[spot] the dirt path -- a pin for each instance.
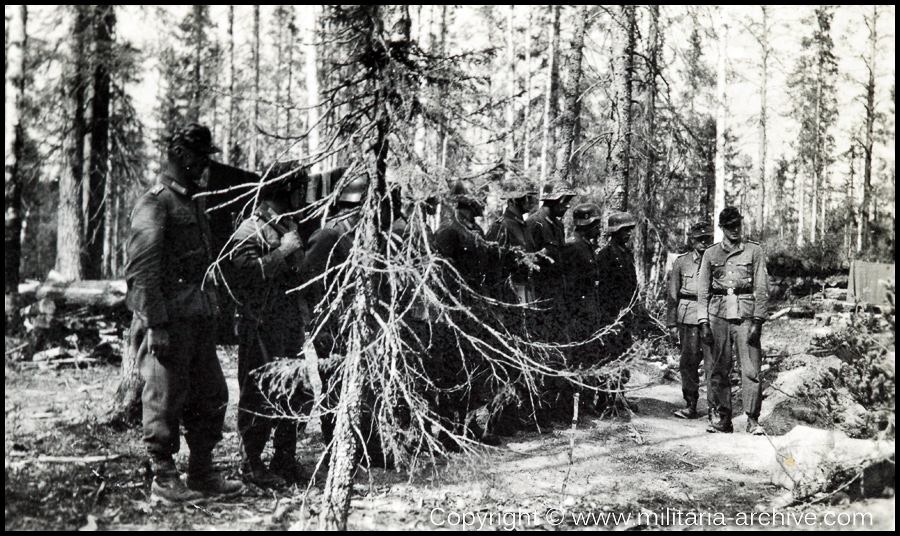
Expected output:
(651, 465)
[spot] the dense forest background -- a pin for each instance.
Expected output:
(670, 112)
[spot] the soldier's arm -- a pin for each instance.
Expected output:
(316, 261)
(672, 295)
(144, 270)
(248, 256)
(760, 286)
(703, 286)
(446, 242)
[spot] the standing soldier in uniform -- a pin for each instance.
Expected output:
(461, 241)
(173, 332)
(681, 316)
(328, 249)
(615, 261)
(548, 236)
(582, 279)
(508, 237)
(266, 257)
(732, 303)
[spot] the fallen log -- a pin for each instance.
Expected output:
(99, 293)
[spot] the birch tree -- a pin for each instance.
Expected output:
(13, 148)
(623, 74)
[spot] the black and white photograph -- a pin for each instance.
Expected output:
(449, 267)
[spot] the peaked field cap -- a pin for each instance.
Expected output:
(510, 189)
(550, 195)
(194, 136)
(730, 216)
(701, 228)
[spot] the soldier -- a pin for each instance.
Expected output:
(461, 241)
(328, 249)
(732, 303)
(508, 237)
(173, 331)
(548, 236)
(266, 257)
(616, 265)
(681, 316)
(582, 279)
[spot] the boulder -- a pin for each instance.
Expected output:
(810, 460)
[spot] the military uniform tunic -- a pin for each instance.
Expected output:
(168, 255)
(732, 293)
(509, 277)
(271, 326)
(582, 280)
(681, 312)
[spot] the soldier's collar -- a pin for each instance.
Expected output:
(513, 212)
(176, 182)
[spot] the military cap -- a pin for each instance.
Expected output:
(460, 193)
(701, 228)
(195, 137)
(355, 190)
(619, 220)
(550, 195)
(729, 216)
(514, 189)
(585, 214)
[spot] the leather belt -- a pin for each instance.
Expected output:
(729, 291)
(687, 296)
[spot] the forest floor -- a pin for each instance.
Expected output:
(648, 470)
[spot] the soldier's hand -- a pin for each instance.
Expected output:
(290, 243)
(755, 333)
(673, 335)
(706, 334)
(158, 341)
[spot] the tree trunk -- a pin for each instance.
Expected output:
(254, 127)
(763, 204)
(567, 119)
(14, 144)
(623, 73)
(69, 234)
(104, 22)
(228, 151)
(643, 206)
(312, 86)
(510, 150)
(863, 240)
(526, 138)
(721, 82)
(551, 100)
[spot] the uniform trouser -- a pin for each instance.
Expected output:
(693, 350)
(259, 411)
(725, 333)
(183, 386)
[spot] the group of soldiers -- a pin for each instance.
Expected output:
(571, 288)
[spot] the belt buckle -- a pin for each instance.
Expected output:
(729, 291)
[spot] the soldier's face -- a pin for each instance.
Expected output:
(732, 232)
(194, 163)
(701, 243)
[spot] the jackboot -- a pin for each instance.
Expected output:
(285, 466)
(690, 412)
(721, 425)
(753, 426)
(204, 478)
(255, 472)
(167, 486)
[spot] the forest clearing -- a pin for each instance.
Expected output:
(449, 267)
(649, 462)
